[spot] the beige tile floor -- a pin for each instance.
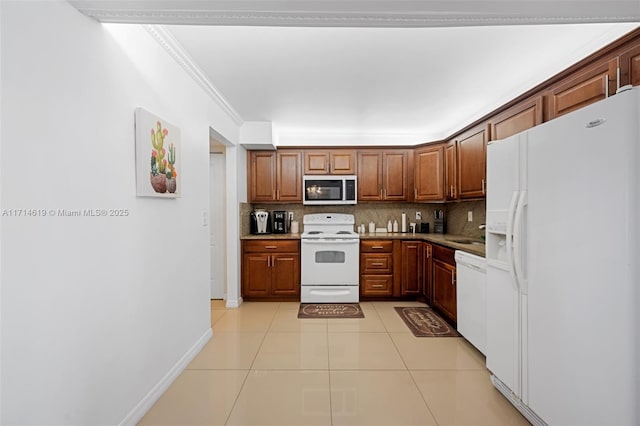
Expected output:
(264, 366)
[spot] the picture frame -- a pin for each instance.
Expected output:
(158, 164)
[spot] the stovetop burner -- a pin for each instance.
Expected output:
(329, 226)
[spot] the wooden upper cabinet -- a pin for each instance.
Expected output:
(450, 170)
(275, 176)
(630, 67)
(395, 172)
(471, 164)
(429, 173)
(370, 176)
(262, 176)
(383, 175)
(516, 119)
(334, 162)
(289, 176)
(577, 91)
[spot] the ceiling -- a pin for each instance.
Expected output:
(372, 72)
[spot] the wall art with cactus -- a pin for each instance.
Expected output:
(157, 156)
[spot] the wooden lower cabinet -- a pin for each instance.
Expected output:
(411, 275)
(271, 269)
(376, 268)
(444, 282)
(427, 272)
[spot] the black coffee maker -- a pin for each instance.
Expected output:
(280, 225)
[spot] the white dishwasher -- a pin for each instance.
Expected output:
(471, 297)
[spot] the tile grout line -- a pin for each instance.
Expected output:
(329, 375)
(244, 382)
(413, 379)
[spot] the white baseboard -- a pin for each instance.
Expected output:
(231, 303)
(156, 392)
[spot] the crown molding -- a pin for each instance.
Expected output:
(168, 42)
(359, 13)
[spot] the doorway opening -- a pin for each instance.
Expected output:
(218, 219)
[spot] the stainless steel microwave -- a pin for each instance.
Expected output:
(330, 189)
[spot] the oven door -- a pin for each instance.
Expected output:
(327, 261)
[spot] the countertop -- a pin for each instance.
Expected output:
(456, 242)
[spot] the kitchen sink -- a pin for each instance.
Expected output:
(461, 241)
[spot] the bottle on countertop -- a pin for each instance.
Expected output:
(389, 226)
(395, 226)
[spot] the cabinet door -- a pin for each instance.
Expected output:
(444, 289)
(369, 176)
(427, 272)
(342, 162)
(472, 154)
(262, 181)
(289, 182)
(429, 174)
(630, 67)
(256, 275)
(285, 274)
(411, 278)
(517, 119)
(450, 175)
(316, 163)
(395, 173)
(578, 91)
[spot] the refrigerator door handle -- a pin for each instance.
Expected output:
(509, 236)
(517, 242)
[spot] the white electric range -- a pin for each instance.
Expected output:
(330, 252)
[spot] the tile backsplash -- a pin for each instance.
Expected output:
(380, 213)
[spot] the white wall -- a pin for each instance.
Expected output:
(95, 310)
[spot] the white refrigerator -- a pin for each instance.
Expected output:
(562, 252)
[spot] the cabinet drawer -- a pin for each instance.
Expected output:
(376, 246)
(377, 285)
(271, 246)
(377, 263)
(444, 254)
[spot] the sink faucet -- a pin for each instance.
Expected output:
(482, 226)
